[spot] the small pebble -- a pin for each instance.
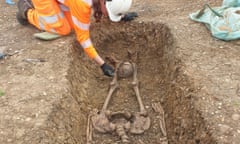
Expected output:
(224, 129)
(28, 119)
(236, 117)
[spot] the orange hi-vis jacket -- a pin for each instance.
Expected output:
(61, 16)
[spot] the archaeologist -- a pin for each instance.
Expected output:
(62, 16)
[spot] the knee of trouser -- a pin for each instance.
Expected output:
(64, 30)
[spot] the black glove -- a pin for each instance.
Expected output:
(107, 70)
(129, 16)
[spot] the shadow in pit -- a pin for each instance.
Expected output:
(161, 80)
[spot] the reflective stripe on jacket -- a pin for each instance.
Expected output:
(80, 13)
(60, 16)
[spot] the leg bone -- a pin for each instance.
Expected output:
(89, 129)
(113, 87)
(135, 87)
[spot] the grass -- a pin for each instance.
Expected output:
(1, 93)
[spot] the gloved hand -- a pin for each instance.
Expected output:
(107, 70)
(129, 16)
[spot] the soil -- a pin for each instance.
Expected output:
(48, 88)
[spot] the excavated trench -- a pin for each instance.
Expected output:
(151, 46)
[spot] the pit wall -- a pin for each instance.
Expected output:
(156, 49)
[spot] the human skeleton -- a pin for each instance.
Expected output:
(121, 122)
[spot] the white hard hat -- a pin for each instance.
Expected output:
(116, 8)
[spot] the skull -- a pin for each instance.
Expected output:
(125, 70)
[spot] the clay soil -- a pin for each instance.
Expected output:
(194, 76)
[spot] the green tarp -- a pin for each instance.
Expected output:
(223, 21)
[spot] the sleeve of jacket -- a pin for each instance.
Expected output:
(81, 14)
